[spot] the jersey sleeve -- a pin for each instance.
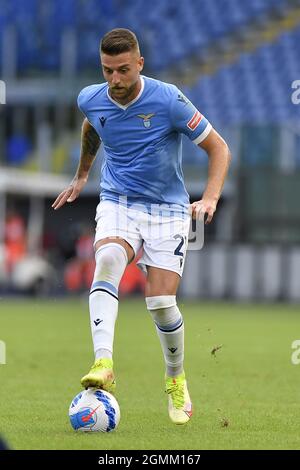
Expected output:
(186, 118)
(81, 100)
(84, 100)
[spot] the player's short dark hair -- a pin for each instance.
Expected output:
(117, 41)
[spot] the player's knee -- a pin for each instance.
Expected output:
(111, 261)
(160, 302)
(164, 311)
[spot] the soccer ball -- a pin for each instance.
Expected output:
(94, 410)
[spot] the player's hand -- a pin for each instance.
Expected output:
(202, 207)
(69, 194)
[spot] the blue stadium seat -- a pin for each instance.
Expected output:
(255, 87)
(180, 28)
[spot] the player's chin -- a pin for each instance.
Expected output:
(119, 92)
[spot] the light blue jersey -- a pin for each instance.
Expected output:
(142, 141)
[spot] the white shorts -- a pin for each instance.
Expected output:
(162, 235)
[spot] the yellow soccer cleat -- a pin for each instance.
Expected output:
(180, 406)
(101, 375)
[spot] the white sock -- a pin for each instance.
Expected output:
(170, 329)
(111, 261)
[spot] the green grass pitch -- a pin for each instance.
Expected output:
(245, 390)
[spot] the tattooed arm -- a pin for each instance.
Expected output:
(90, 143)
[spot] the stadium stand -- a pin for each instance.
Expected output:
(173, 35)
(235, 60)
(176, 29)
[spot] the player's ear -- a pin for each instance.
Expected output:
(140, 64)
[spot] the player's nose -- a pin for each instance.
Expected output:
(115, 78)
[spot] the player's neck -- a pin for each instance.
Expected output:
(132, 95)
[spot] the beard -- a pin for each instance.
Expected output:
(123, 92)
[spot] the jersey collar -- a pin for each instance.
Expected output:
(125, 106)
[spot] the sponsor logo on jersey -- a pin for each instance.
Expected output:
(146, 119)
(102, 120)
(194, 121)
(182, 98)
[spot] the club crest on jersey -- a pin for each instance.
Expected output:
(146, 119)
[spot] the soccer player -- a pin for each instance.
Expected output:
(139, 121)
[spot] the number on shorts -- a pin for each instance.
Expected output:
(177, 251)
